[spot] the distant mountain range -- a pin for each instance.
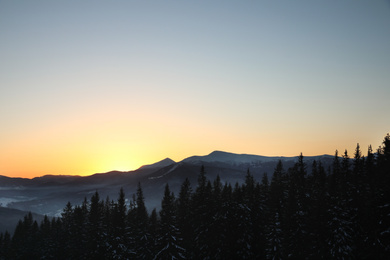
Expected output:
(49, 194)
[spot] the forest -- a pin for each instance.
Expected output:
(303, 212)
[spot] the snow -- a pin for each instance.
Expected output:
(12, 188)
(239, 159)
(234, 159)
(160, 164)
(4, 201)
(170, 170)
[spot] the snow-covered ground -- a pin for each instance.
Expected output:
(233, 159)
(5, 201)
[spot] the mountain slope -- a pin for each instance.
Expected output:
(160, 164)
(49, 194)
(230, 158)
(9, 218)
(241, 159)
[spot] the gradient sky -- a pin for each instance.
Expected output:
(94, 86)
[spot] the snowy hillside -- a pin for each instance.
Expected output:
(234, 159)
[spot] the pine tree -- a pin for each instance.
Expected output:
(25, 241)
(33, 241)
(46, 244)
(5, 246)
(154, 226)
(141, 235)
(95, 244)
(274, 248)
(335, 177)
(340, 225)
(1, 245)
(371, 210)
(277, 197)
(68, 238)
(118, 223)
(254, 212)
(296, 211)
(317, 211)
(239, 223)
(357, 163)
(229, 220)
(383, 196)
(131, 228)
(342, 214)
(201, 212)
(79, 231)
(217, 226)
(108, 212)
(360, 193)
(184, 216)
(169, 239)
(346, 171)
(58, 244)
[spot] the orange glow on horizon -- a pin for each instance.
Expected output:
(87, 160)
(124, 90)
(85, 144)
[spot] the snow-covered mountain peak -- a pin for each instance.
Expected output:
(230, 158)
(160, 164)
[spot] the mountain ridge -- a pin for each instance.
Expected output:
(48, 194)
(235, 158)
(165, 162)
(214, 156)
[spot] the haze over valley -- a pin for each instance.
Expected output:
(194, 129)
(48, 194)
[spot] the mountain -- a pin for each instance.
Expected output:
(231, 158)
(160, 164)
(49, 194)
(258, 165)
(242, 159)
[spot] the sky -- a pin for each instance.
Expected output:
(94, 86)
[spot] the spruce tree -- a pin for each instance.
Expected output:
(296, 211)
(340, 225)
(229, 220)
(383, 195)
(317, 211)
(118, 223)
(276, 205)
(201, 212)
(216, 225)
(170, 237)
(25, 241)
(131, 228)
(80, 231)
(46, 244)
(253, 212)
(95, 244)
(184, 216)
(141, 235)
(5, 246)
(342, 214)
(154, 227)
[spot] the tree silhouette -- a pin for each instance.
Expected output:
(340, 213)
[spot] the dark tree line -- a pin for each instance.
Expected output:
(304, 212)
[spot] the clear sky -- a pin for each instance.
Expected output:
(94, 86)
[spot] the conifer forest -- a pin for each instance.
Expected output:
(303, 212)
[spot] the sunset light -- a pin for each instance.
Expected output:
(107, 86)
(193, 129)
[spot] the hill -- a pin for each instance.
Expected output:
(9, 218)
(48, 194)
